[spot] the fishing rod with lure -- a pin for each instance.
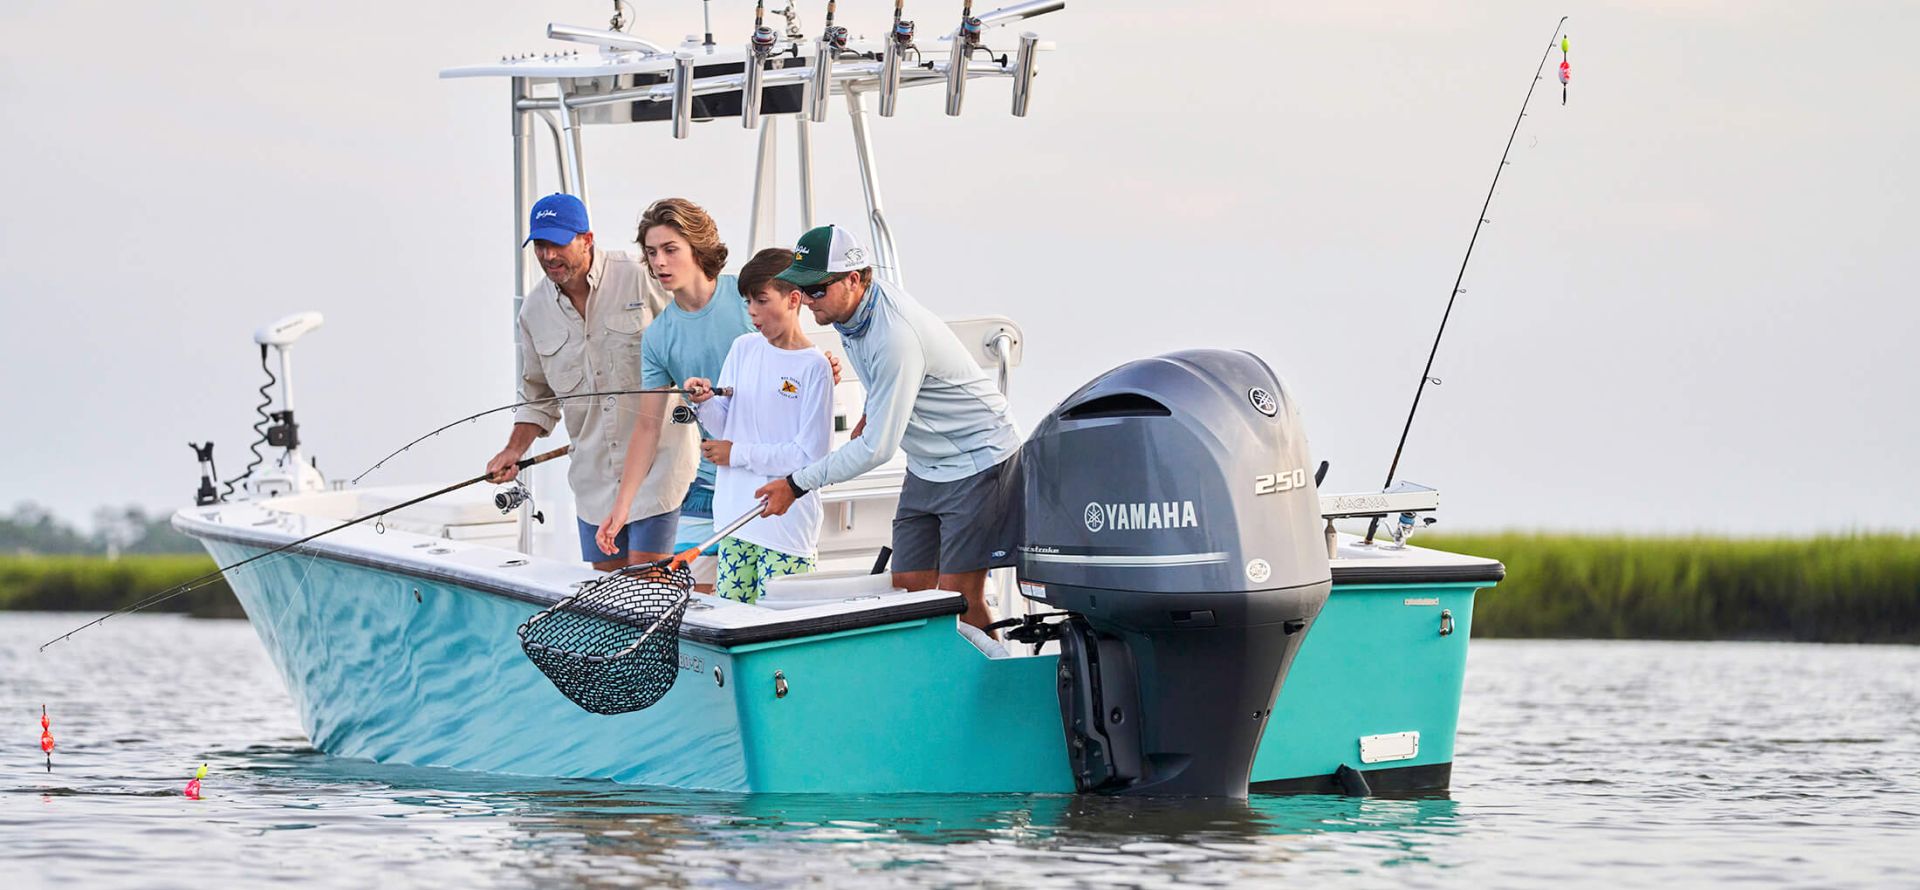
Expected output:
(681, 414)
(214, 575)
(1426, 374)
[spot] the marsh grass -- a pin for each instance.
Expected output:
(1862, 588)
(1844, 589)
(98, 584)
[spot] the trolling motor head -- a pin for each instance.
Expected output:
(282, 334)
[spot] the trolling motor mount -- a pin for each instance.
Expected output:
(207, 494)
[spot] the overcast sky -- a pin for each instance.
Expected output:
(1694, 309)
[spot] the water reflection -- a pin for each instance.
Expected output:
(596, 832)
(1680, 764)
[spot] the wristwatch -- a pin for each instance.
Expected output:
(794, 487)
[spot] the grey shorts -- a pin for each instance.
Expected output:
(961, 526)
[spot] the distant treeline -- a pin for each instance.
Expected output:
(99, 584)
(31, 528)
(1862, 588)
(46, 564)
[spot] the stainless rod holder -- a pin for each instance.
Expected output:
(966, 38)
(832, 39)
(682, 94)
(756, 70)
(957, 73)
(1023, 69)
(899, 42)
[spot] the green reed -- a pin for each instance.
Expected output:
(98, 584)
(1854, 588)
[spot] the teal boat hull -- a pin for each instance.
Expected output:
(400, 667)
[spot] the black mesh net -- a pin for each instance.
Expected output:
(613, 647)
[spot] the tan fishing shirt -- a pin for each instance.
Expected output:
(562, 354)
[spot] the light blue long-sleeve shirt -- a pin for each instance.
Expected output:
(926, 396)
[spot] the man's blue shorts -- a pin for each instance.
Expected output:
(696, 519)
(653, 534)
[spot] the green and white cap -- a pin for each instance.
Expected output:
(822, 253)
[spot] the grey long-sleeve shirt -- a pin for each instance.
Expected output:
(925, 396)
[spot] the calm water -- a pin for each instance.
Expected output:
(1579, 763)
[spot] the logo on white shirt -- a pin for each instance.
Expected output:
(790, 387)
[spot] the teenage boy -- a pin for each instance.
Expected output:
(778, 419)
(691, 337)
(959, 512)
(578, 332)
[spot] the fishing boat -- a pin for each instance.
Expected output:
(1185, 618)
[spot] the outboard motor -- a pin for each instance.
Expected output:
(1170, 508)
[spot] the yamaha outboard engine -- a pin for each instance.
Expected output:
(1169, 506)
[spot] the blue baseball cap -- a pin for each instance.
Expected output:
(557, 218)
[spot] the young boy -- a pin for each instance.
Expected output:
(778, 420)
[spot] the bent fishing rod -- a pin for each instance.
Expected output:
(210, 577)
(1426, 374)
(719, 391)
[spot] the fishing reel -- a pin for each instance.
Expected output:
(684, 413)
(513, 496)
(1403, 529)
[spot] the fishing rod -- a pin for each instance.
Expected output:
(1426, 374)
(725, 391)
(209, 577)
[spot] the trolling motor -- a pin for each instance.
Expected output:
(1170, 511)
(291, 474)
(899, 43)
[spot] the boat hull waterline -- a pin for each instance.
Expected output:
(396, 667)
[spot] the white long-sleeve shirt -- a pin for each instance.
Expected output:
(779, 419)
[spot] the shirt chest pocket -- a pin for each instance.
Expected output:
(561, 359)
(620, 349)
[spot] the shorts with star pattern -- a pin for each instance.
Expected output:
(745, 569)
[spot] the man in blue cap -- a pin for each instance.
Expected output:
(959, 512)
(579, 333)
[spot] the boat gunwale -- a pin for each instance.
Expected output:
(934, 607)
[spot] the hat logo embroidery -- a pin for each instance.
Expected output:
(546, 213)
(855, 254)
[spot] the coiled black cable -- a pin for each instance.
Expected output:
(259, 426)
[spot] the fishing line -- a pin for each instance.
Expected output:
(210, 577)
(543, 401)
(1426, 374)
